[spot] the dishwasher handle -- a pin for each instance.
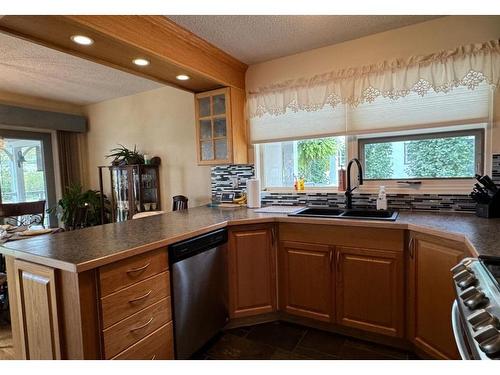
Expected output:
(196, 245)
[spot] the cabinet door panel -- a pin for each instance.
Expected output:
(220, 149)
(205, 130)
(204, 107)
(252, 275)
(431, 297)
(370, 290)
(37, 308)
(219, 104)
(207, 150)
(221, 127)
(306, 285)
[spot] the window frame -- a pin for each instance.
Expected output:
(259, 168)
(428, 186)
(478, 133)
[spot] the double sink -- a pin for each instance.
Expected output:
(336, 213)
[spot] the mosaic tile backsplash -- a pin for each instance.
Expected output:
(427, 202)
(232, 178)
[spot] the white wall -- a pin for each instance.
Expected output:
(419, 39)
(162, 123)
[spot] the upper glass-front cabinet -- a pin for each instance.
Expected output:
(213, 122)
(219, 119)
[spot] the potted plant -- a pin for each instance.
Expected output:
(124, 156)
(80, 209)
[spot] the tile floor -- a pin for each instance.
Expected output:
(281, 340)
(276, 340)
(6, 348)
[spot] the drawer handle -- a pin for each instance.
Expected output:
(141, 297)
(142, 326)
(133, 270)
(411, 247)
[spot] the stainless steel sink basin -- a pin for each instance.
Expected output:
(336, 213)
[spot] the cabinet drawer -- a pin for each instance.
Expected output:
(341, 235)
(130, 300)
(158, 345)
(118, 275)
(134, 328)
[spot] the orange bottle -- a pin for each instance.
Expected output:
(302, 182)
(342, 179)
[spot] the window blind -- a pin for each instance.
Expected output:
(459, 106)
(434, 110)
(298, 125)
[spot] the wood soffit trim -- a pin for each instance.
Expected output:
(123, 36)
(165, 26)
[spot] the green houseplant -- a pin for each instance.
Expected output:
(81, 209)
(124, 156)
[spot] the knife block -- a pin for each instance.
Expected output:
(491, 209)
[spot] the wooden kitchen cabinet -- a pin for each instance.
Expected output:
(36, 324)
(370, 290)
(252, 270)
(306, 280)
(221, 131)
(120, 310)
(431, 294)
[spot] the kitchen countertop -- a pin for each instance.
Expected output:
(88, 248)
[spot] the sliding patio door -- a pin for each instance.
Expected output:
(27, 169)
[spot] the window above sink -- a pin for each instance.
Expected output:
(443, 155)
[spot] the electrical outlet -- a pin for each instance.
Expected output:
(234, 181)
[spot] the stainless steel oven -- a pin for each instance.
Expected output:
(476, 309)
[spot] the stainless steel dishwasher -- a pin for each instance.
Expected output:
(199, 290)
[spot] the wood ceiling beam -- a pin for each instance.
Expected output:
(171, 49)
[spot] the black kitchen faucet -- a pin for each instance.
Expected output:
(349, 190)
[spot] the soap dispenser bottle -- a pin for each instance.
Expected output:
(382, 199)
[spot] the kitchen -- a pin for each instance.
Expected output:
(328, 216)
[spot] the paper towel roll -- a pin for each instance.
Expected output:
(253, 193)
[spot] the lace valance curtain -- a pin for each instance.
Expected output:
(467, 66)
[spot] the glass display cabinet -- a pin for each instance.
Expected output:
(220, 127)
(134, 189)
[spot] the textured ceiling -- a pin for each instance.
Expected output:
(254, 39)
(31, 69)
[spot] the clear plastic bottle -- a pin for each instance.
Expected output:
(382, 199)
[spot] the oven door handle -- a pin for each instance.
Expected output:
(458, 332)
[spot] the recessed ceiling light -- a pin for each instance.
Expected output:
(141, 62)
(183, 77)
(82, 40)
